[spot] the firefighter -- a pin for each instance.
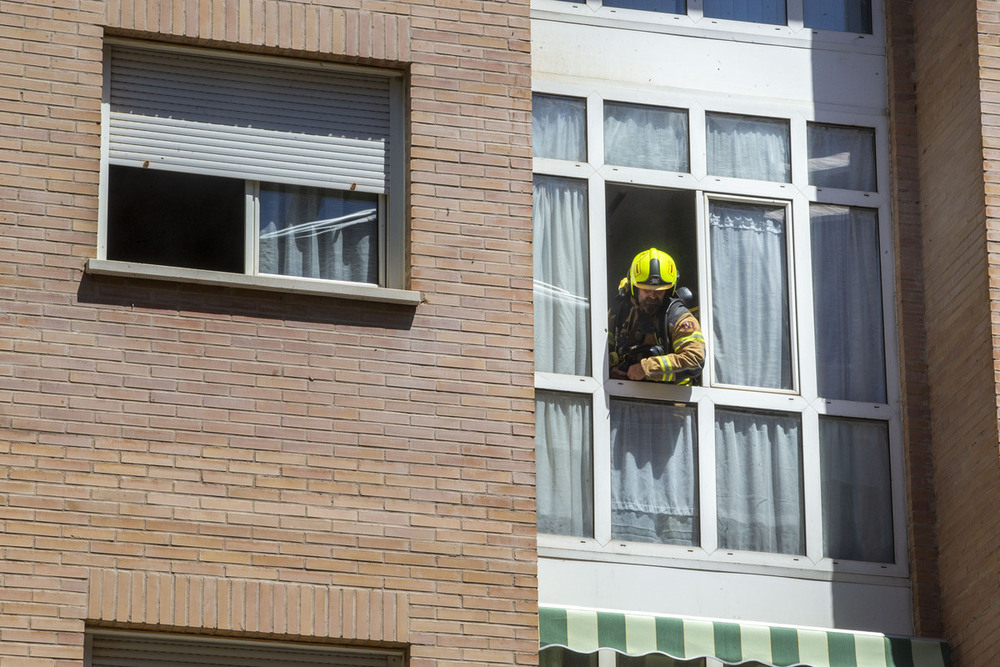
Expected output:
(651, 333)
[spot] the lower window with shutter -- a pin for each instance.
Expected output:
(123, 648)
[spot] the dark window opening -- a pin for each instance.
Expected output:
(174, 219)
(639, 218)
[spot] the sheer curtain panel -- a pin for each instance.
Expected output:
(650, 137)
(653, 473)
(857, 494)
(563, 462)
(559, 127)
(847, 303)
(841, 156)
(312, 233)
(749, 147)
(759, 482)
(750, 309)
(562, 279)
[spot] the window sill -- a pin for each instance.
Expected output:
(341, 290)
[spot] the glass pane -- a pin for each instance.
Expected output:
(841, 156)
(562, 276)
(857, 498)
(757, 11)
(559, 127)
(563, 461)
(842, 15)
(557, 656)
(748, 147)
(759, 482)
(666, 6)
(313, 233)
(654, 474)
(650, 137)
(847, 303)
(172, 219)
(661, 660)
(750, 308)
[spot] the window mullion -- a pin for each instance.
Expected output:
(252, 224)
(598, 330)
(803, 314)
(595, 130)
(601, 430)
(705, 288)
(794, 14)
(793, 290)
(707, 504)
(697, 141)
(596, 204)
(812, 486)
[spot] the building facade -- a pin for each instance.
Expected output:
(820, 172)
(304, 346)
(266, 377)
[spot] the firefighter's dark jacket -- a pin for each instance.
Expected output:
(672, 326)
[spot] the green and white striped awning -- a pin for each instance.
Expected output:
(588, 630)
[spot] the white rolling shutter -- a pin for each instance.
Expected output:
(248, 119)
(141, 649)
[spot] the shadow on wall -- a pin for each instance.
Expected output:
(249, 303)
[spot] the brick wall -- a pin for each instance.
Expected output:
(238, 462)
(961, 347)
(910, 314)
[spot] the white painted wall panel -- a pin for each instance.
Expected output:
(738, 74)
(744, 596)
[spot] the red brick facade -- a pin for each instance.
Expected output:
(255, 463)
(260, 464)
(910, 314)
(953, 104)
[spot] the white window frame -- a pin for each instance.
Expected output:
(802, 401)
(694, 22)
(391, 287)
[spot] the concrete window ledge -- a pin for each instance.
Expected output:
(340, 290)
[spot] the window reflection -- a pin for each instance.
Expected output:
(756, 11)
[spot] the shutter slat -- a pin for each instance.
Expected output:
(125, 649)
(250, 120)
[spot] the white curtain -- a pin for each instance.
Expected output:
(757, 11)
(750, 312)
(857, 497)
(759, 482)
(561, 271)
(311, 233)
(847, 302)
(842, 157)
(563, 464)
(842, 15)
(645, 136)
(559, 127)
(748, 147)
(653, 473)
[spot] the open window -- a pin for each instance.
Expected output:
(251, 166)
